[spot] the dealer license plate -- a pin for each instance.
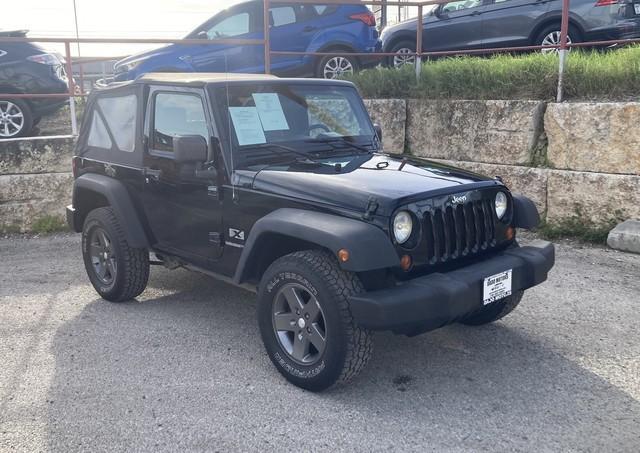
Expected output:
(496, 287)
(636, 6)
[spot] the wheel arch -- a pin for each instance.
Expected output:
(92, 191)
(550, 21)
(296, 229)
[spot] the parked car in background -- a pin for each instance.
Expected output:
(486, 24)
(27, 68)
(300, 28)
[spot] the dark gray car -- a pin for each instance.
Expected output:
(487, 24)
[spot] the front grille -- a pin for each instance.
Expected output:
(459, 230)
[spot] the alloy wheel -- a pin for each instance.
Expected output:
(403, 56)
(11, 119)
(553, 39)
(337, 66)
(299, 324)
(102, 256)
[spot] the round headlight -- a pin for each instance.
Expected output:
(501, 204)
(402, 227)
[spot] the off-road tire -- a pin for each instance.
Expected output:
(348, 347)
(494, 311)
(132, 270)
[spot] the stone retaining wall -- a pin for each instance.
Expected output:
(572, 158)
(35, 181)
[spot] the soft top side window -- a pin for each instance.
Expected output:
(113, 123)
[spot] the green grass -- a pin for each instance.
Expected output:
(49, 224)
(590, 75)
(576, 227)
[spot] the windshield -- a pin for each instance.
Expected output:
(305, 117)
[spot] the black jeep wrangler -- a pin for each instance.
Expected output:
(281, 186)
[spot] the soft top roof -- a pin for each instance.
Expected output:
(200, 79)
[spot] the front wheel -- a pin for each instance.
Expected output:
(334, 67)
(404, 54)
(305, 320)
(117, 271)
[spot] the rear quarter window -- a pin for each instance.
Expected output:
(113, 123)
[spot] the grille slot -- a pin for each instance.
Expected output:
(465, 229)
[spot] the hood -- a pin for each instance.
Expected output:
(165, 50)
(390, 180)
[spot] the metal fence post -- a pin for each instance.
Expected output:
(564, 31)
(267, 38)
(419, 43)
(72, 100)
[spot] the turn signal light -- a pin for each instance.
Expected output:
(343, 255)
(406, 262)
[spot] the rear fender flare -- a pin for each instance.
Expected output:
(119, 200)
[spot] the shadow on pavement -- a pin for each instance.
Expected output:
(186, 370)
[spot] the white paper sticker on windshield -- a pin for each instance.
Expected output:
(247, 125)
(270, 112)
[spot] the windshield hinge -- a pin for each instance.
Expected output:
(372, 206)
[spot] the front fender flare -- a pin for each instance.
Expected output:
(119, 200)
(525, 213)
(369, 247)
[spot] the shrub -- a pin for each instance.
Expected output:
(589, 75)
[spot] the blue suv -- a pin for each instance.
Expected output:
(301, 28)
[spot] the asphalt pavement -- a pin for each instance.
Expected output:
(183, 368)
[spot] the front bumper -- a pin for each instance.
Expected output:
(432, 301)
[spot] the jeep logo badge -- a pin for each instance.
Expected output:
(458, 199)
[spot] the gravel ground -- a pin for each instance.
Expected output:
(183, 368)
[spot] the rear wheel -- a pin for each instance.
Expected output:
(16, 119)
(550, 36)
(117, 271)
(306, 323)
(336, 66)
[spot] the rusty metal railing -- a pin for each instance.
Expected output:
(563, 47)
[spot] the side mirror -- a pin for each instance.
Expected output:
(378, 130)
(190, 148)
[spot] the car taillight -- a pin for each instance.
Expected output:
(44, 58)
(368, 18)
(606, 2)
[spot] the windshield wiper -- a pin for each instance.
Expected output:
(283, 150)
(342, 140)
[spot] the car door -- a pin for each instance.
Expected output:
(287, 33)
(183, 209)
(241, 22)
(509, 23)
(454, 26)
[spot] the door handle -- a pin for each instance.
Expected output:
(309, 28)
